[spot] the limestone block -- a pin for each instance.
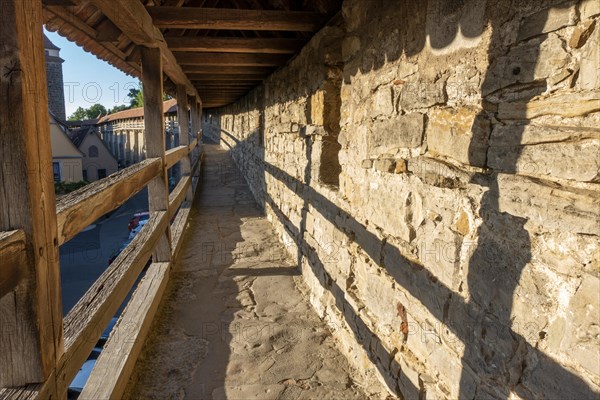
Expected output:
(461, 134)
(567, 253)
(384, 165)
(414, 95)
(437, 173)
(579, 338)
(382, 102)
(580, 104)
(546, 151)
(375, 290)
(582, 33)
(548, 20)
(317, 107)
(589, 67)
(366, 164)
(438, 248)
(548, 205)
(400, 131)
(589, 8)
(520, 65)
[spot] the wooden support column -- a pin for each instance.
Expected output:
(195, 126)
(184, 134)
(31, 330)
(158, 188)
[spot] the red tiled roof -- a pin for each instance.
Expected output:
(169, 107)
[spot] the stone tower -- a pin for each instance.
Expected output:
(54, 76)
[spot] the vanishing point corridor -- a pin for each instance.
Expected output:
(234, 322)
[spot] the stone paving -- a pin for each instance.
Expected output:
(234, 322)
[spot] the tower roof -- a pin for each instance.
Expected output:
(48, 45)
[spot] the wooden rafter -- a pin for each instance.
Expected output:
(239, 59)
(235, 45)
(134, 21)
(221, 18)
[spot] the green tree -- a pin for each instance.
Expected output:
(78, 115)
(93, 112)
(96, 111)
(120, 107)
(136, 97)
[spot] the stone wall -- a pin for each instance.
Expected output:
(434, 168)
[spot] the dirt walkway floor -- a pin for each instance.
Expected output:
(234, 323)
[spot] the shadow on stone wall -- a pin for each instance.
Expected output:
(497, 360)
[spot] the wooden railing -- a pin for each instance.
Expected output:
(84, 324)
(40, 351)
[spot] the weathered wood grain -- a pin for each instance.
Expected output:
(31, 316)
(134, 21)
(235, 45)
(86, 321)
(175, 154)
(184, 134)
(82, 207)
(12, 260)
(117, 360)
(178, 226)
(222, 18)
(158, 188)
(231, 59)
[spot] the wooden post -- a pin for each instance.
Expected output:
(31, 330)
(184, 134)
(195, 126)
(158, 188)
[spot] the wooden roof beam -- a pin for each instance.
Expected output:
(226, 78)
(239, 59)
(134, 21)
(235, 45)
(227, 70)
(238, 19)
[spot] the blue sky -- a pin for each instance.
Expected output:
(89, 80)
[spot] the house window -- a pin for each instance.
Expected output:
(56, 171)
(93, 152)
(101, 173)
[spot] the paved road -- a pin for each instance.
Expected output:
(85, 257)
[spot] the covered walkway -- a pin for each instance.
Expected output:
(235, 323)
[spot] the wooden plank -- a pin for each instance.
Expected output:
(134, 21)
(87, 320)
(158, 188)
(117, 360)
(31, 338)
(12, 260)
(235, 45)
(227, 70)
(184, 133)
(178, 195)
(179, 192)
(222, 18)
(175, 154)
(250, 78)
(106, 31)
(178, 226)
(239, 59)
(82, 207)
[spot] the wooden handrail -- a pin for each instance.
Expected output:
(86, 321)
(178, 194)
(12, 255)
(79, 209)
(115, 364)
(175, 154)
